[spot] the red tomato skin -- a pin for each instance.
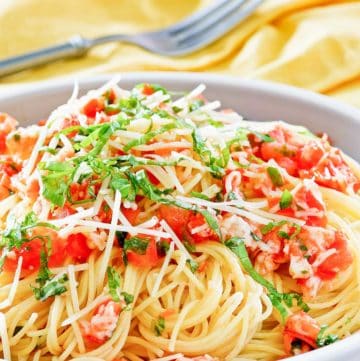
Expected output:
(197, 220)
(176, 218)
(338, 261)
(131, 214)
(149, 259)
(147, 89)
(2, 143)
(30, 252)
(152, 178)
(58, 254)
(77, 247)
(61, 212)
(92, 107)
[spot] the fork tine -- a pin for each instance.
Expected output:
(194, 19)
(214, 28)
(213, 18)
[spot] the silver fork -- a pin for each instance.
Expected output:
(185, 37)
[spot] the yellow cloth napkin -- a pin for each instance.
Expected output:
(313, 44)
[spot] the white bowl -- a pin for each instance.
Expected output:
(253, 99)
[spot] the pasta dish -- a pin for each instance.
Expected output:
(147, 224)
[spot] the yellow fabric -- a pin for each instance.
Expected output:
(313, 44)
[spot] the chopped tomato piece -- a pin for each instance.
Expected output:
(7, 123)
(2, 143)
(149, 259)
(177, 218)
(148, 89)
(131, 214)
(77, 247)
(92, 107)
(70, 122)
(30, 252)
(57, 253)
(338, 261)
(199, 230)
(79, 192)
(301, 329)
(61, 212)
(152, 178)
(102, 324)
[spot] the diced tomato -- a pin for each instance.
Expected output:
(131, 214)
(168, 312)
(41, 122)
(7, 123)
(177, 218)
(152, 178)
(72, 121)
(102, 324)
(33, 189)
(77, 247)
(2, 143)
(303, 328)
(61, 212)
(149, 259)
(79, 192)
(338, 261)
(57, 254)
(30, 252)
(105, 213)
(9, 166)
(148, 89)
(92, 107)
(207, 234)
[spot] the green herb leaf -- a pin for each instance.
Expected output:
(128, 298)
(144, 139)
(199, 195)
(286, 199)
(114, 283)
(193, 265)
(159, 326)
(237, 246)
(51, 288)
(275, 176)
(264, 137)
(322, 340)
(270, 226)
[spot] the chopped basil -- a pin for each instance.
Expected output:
(193, 265)
(159, 326)
(275, 176)
(114, 283)
(322, 340)
(283, 234)
(135, 244)
(196, 104)
(199, 195)
(264, 137)
(128, 298)
(216, 164)
(270, 226)
(286, 199)
(255, 237)
(237, 246)
(51, 288)
(120, 236)
(144, 139)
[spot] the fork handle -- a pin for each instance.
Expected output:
(76, 46)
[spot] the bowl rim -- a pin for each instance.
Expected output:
(283, 90)
(342, 348)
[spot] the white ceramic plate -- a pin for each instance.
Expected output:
(252, 99)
